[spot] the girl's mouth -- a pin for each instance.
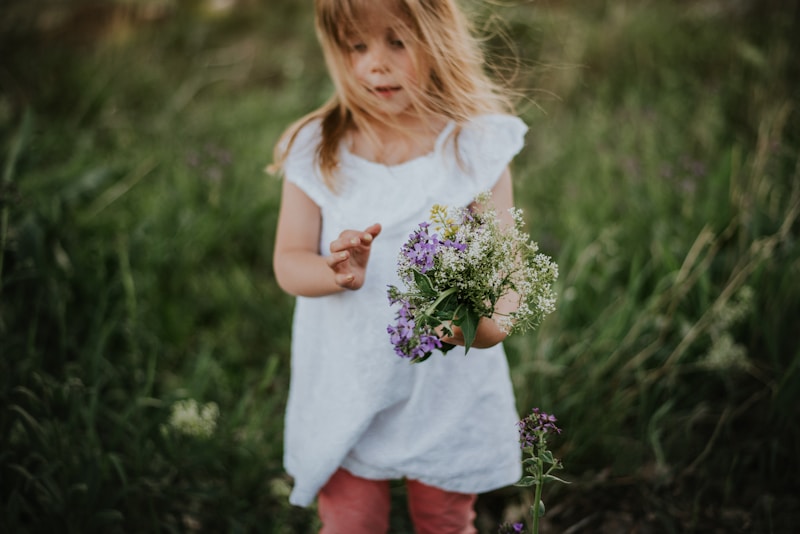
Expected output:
(386, 91)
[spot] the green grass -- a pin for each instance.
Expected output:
(661, 171)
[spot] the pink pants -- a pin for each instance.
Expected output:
(352, 505)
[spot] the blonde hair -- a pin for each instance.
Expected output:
(455, 86)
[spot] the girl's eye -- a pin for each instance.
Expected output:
(397, 43)
(358, 47)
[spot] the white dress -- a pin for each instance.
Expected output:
(448, 422)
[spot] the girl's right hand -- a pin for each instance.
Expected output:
(350, 255)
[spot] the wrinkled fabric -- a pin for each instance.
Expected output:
(449, 422)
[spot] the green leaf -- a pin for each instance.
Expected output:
(468, 322)
(448, 306)
(541, 509)
(424, 284)
(422, 358)
(553, 477)
(444, 296)
(446, 347)
(526, 481)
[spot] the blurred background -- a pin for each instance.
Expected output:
(144, 344)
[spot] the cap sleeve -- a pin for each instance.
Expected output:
(300, 167)
(487, 144)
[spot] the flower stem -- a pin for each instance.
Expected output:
(538, 493)
(443, 295)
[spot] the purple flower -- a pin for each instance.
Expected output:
(510, 528)
(461, 247)
(410, 339)
(421, 248)
(534, 427)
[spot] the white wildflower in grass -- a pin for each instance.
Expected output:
(456, 268)
(189, 418)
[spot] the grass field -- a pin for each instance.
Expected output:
(661, 171)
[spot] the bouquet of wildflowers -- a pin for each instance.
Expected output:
(457, 268)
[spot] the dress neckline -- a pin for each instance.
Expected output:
(440, 140)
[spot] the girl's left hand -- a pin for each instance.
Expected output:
(488, 334)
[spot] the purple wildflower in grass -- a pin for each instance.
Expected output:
(511, 528)
(533, 427)
(541, 463)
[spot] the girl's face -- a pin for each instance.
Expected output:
(383, 63)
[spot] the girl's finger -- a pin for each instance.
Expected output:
(345, 241)
(351, 238)
(344, 280)
(374, 230)
(337, 258)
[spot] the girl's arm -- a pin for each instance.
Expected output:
(300, 268)
(489, 334)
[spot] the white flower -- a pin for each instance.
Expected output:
(189, 418)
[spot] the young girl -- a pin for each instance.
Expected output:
(414, 121)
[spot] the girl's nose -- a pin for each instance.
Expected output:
(378, 59)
